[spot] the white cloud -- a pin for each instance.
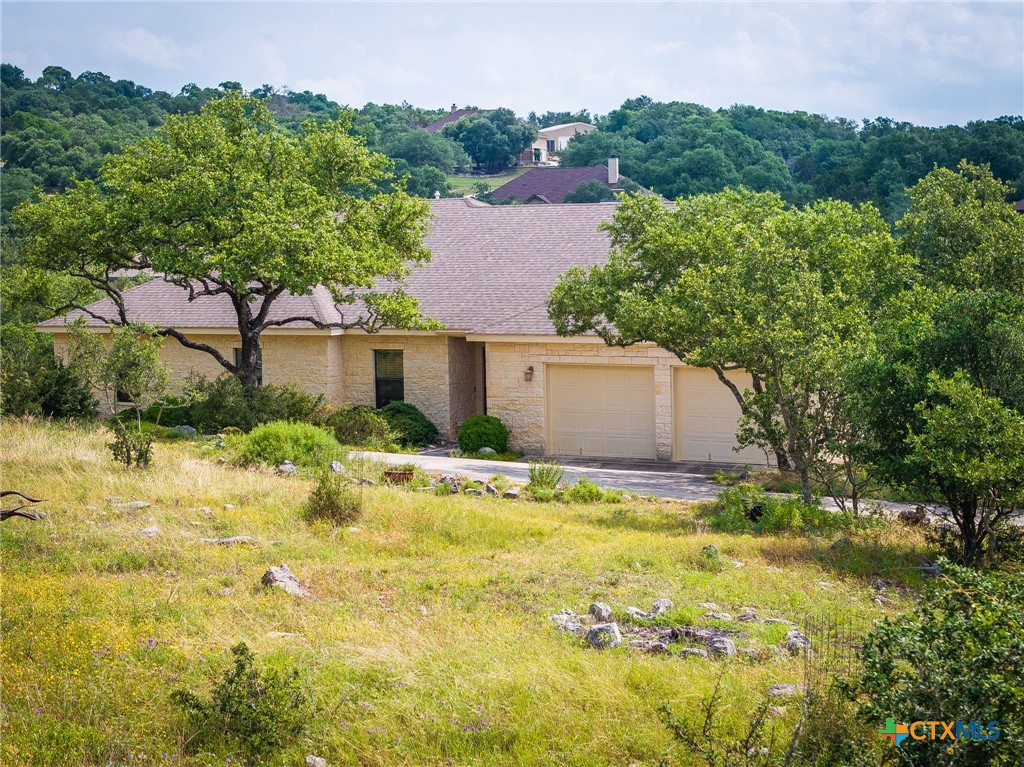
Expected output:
(345, 90)
(138, 44)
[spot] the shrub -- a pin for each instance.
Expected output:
(34, 381)
(303, 444)
(545, 474)
(958, 656)
(334, 500)
(362, 426)
(131, 447)
(543, 494)
(412, 426)
(585, 491)
(259, 712)
(222, 402)
(483, 431)
(709, 560)
(748, 507)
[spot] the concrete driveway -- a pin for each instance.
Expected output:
(641, 479)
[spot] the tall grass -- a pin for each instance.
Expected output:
(425, 637)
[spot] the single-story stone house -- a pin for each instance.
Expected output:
(487, 282)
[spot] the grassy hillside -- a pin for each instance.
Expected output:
(425, 639)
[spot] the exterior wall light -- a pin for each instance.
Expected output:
(528, 373)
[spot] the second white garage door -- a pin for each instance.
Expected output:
(706, 416)
(599, 410)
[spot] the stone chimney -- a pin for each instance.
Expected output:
(613, 170)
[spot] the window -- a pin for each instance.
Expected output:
(259, 364)
(551, 145)
(536, 155)
(388, 376)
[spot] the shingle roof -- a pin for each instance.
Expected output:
(551, 184)
(491, 272)
(451, 117)
(1019, 206)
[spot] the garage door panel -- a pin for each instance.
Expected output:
(601, 410)
(707, 416)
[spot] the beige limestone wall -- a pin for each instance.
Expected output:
(310, 362)
(465, 381)
(520, 404)
(425, 363)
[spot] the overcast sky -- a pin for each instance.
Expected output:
(932, 63)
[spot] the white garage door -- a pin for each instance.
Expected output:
(601, 410)
(706, 417)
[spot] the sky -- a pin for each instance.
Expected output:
(931, 63)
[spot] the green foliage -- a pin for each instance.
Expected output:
(132, 447)
(747, 507)
(271, 444)
(958, 656)
(214, 405)
(590, 191)
(33, 381)
(710, 561)
(413, 428)
(334, 500)
(258, 712)
(362, 426)
(545, 495)
(545, 475)
(739, 280)
(479, 431)
(585, 491)
(493, 138)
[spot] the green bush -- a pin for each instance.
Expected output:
(303, 444)
(259, 712)
(214, 405)
(413, 427)
(747, 507)
(132, 447)
(585, 491)
(362, 426)
(334, 500)
(483, 431)
(545, 474)
(959, 656)
(34, 381)
(543, 494)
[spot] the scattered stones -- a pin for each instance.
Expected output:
(797, 643)
(660, 607)
(883, 601)
(227, 507)
(312, 760)
(916, 518)
(737, 565)
(723, 646)
(366, 481)
(283, 578)
(452, 483)
(221, 459)
(708, 605)
(424, 611)
(604, 636)
(784, 690)
(567, 620)
(694, 652)
(878, 584)
(150, 532)
(841, 545)
(187, 432)
(487, 451)
(287, 468)
(783, 621)
(600, 612)
(747, 615)
(492, 490)
(473, 491)
(651, 647)
(133, 505)
(337, 468)
(230, 541)
(512, 492)
(717, 616)
(636, 612)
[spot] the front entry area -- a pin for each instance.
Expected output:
(706, 416)
(601, 410)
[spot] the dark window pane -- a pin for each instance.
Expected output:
(389, 376)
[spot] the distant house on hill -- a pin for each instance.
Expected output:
(551, 185)
(453, 116)
(551, 140)
(1019, 206)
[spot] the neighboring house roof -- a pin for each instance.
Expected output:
(1019, 206)
(455, 114)
(552, 184)
(553, 128)
(491, 272)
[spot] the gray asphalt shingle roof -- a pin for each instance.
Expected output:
(491, 272)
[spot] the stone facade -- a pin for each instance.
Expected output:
(521, 404)
(465, 381)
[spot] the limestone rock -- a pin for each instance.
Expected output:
(797, 643)
(636, 612)
(487, 451)
(512, 492)
(283, 578)
(366, 481)
(717, 616)
(694, 652)
(747, 615)
(231, 541)
(604, 636)
(649, 646)
(600, 612)
(473, 491)
(150, 532)
(133, 505)
(287, 468)
(567, 620)
(312, 760)
(784, 690)
(722, 646)
(337, 468)
(660, 607)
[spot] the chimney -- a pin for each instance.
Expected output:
(613, 170)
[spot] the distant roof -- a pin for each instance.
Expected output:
(491, 272)
(451, 117)
(552, 184)
(1019, 206)
(567, 125)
